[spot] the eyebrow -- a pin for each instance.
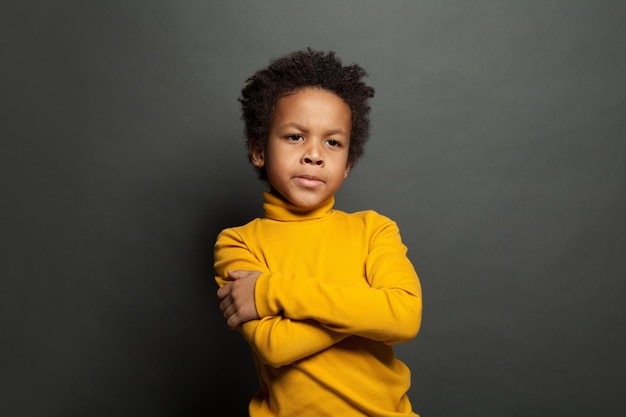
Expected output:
(302, 129)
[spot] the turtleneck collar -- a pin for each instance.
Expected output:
(277, 208)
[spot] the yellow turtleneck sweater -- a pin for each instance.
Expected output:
(336, 291)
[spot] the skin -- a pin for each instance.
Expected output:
(306, 160)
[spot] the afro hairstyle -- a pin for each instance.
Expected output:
(298, 70)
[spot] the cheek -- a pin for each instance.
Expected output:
(274, 165)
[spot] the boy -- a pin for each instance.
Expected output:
(319, 294)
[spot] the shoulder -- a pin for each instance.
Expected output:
(370, 219)
(366, 215)
(239, 231)
(373, 227)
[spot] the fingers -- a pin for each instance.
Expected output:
(239, 274)
(235, 275)
(225, 304)
(229, 312)
(234, 316)
(228, 307)
(236, 299)
(223, 292)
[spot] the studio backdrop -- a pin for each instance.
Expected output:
(498, 145)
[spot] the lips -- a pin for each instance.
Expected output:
(309, 181)
(309, 177)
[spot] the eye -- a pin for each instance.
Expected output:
(334, 143)
(294, 137)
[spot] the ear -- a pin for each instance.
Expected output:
(348, 168)
(257, 156)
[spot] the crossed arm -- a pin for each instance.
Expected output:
(304, 337)
(276, 339)
(289, 327)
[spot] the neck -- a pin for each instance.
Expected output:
(279, 208)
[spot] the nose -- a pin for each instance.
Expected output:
(313, 155)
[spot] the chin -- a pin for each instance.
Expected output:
(305, 203)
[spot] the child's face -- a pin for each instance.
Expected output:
(306, 158)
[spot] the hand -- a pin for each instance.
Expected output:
(237, 298)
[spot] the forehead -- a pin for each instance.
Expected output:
(312, 106)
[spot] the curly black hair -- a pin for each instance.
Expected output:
(297, 70)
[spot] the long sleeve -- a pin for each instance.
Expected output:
(336, 289)
(279, 341)
(386, 306)
(276, 340)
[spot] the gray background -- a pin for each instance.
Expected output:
(498, 145)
